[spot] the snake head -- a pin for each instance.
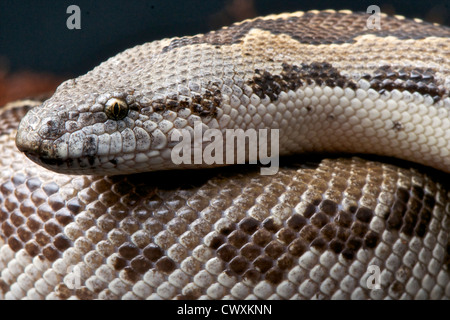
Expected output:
(102, 123)
(108, 135)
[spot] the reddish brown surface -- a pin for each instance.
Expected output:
(26, 84)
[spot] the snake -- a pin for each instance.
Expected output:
(93, 207)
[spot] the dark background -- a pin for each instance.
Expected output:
(34, 36)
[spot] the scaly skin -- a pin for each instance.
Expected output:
(307, 232)
(323, 79)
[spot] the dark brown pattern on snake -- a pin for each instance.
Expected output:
(382, 79)
(334, 28)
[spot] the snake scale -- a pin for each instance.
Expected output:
(312, 230)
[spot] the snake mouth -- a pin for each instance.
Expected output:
(66, 166)
(85, 165)
(91, 165)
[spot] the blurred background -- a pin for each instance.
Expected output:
(38, 51)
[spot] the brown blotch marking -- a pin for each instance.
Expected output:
(359, 229)
(371, 239)
(429, 201)
(312, 28)
(422, 224)
(250, 251)
(187, 296)
(398, 287)
(62, 242)
(203, 105)
(274, 249)
(63, 217)
(402, 194)
(329, 207)
(292, 77)
(140, 264)
(409, 222)
(337, 246)
(271, 248)
(217, 241)
(320, 244)
(128, 250)
(130, 275)
(226, 230)
(262, 237)
(226, 252)
(274, 275)
(3, 215)
(411, 212)
(270, 225)
(50, 252)
(354, 243)
(285, 262)
(412, 80)
(319, 219)
(165, 264)
(348, 253)
(411, 217)
(16, 219)
(8, 229)
(56, 204)
(297, 247)
(14, 243)
(153, 252)
(118, 263)
(7, 188)
(238, 238)
(10, 206)
(263, 263)
(238, 264)
(52, 228)
(62, 291)
(32, 248)
(328, 231)
(364, 214)
(44, 212)
(308, 233)
(252, 275)
(343, 234)
(286, 235)
(309, 211)
(344, 219)
(296, 222)
(41, 237)
(4, 287)
(418, 192)
(84, 294)
(249, 225)
(74, 206)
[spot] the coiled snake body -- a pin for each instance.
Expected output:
(328, 228)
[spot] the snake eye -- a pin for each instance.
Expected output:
(116, 109)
